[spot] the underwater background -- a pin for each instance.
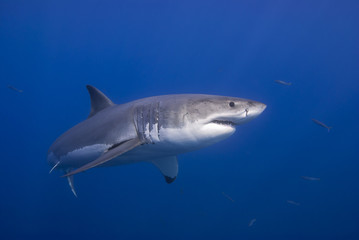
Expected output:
(281, 176)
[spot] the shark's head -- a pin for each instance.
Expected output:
(223, 111)
(208, 119)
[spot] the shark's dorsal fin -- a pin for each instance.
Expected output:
(168, 167)
(99, 101)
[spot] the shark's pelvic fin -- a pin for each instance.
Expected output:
(168, 167)
(52, 169)
(70, 179)
(99, 101)
(107, 156)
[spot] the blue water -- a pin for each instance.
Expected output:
(136, 49)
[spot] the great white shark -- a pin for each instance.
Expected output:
(154, 129)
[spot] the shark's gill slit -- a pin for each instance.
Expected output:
(157, 119)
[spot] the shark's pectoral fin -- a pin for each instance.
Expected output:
(168, 167)
(107, 156)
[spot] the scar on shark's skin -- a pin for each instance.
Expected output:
(154, 130)
(184, 116)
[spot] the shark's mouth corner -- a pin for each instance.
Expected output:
(224, 122)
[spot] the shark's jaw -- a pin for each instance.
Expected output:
(224, 122)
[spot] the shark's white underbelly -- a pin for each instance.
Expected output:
(171, 142)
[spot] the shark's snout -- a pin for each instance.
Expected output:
(255, 109)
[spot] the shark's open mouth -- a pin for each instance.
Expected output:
(224, 122)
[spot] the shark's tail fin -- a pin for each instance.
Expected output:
(329, 128)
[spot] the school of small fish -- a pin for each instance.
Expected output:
(316, 122)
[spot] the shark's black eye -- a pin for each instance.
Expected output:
(231, 104)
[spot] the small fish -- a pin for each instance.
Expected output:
(321, 124)
(228, 197)
(311, 178)
(251, 222)
(293, 203)
(14, 89)
(283, 83)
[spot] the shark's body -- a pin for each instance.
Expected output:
(154, 129)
